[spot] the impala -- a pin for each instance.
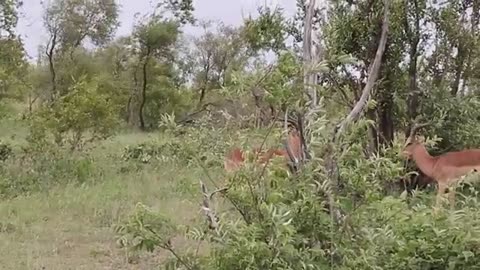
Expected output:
(293, 153)
(446, 169)
(294, 150)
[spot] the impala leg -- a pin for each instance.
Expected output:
(441, 190)
(451, 195)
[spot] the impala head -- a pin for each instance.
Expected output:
(413, 141)
(410, 145)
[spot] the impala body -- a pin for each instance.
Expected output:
(235, 158)
(446, 169)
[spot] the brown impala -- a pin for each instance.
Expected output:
(446, 169)
(294, 150)
(293, 153)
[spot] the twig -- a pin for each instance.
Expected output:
(242, 213)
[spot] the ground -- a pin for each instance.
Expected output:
(72, 227)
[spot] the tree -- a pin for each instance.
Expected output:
(155, 40)
(13, 66)
(70, 22)
(8, 17)
(218, 53)
(182, 10)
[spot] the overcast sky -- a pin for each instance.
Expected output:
(30, 25)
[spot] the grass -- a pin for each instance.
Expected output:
(71, 227)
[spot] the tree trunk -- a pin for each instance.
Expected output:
(143, 96)
(373, 73)
(308, 54)
(414, 40)
(132, 104)
(385, 114)
(459, 62)
(49, 52)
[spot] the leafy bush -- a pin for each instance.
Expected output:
(285, 222)
(391, 235)
(40, 171)
(81, 116)
(6, 151)
(188, 146)
(453, 119)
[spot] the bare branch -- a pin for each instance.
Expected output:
(209, 213)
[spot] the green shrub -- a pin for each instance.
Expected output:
(80, 117)
(40, 171)
(6, 151)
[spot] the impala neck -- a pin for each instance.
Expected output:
(425, 162)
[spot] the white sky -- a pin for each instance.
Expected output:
(30, 25)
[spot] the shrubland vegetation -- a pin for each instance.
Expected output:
(105, 140)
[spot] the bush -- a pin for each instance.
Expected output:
(6, 151)
(40, 171)
(454, 120)
(284, 222)
(187, 146)
(81, 116)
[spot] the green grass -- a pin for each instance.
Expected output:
(71, 227)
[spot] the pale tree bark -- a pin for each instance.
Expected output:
(309, 53)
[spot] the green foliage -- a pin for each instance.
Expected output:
(340, 211)
(163, 97)
(81, 116)
(6, 151)
(75, 20)
(453, 120)
(396, 236)
(13, 68)
(268, 31)
(156, 36)
(9, 16)
(217, 55)
(181, 9)
(189, 147)
(39, 171)
(146, 230)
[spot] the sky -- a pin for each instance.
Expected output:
(30, 25)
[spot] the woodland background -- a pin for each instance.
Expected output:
(104, 141)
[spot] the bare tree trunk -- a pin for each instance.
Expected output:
(144, 91)
(203, 89)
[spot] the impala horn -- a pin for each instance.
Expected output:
(413, 130)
